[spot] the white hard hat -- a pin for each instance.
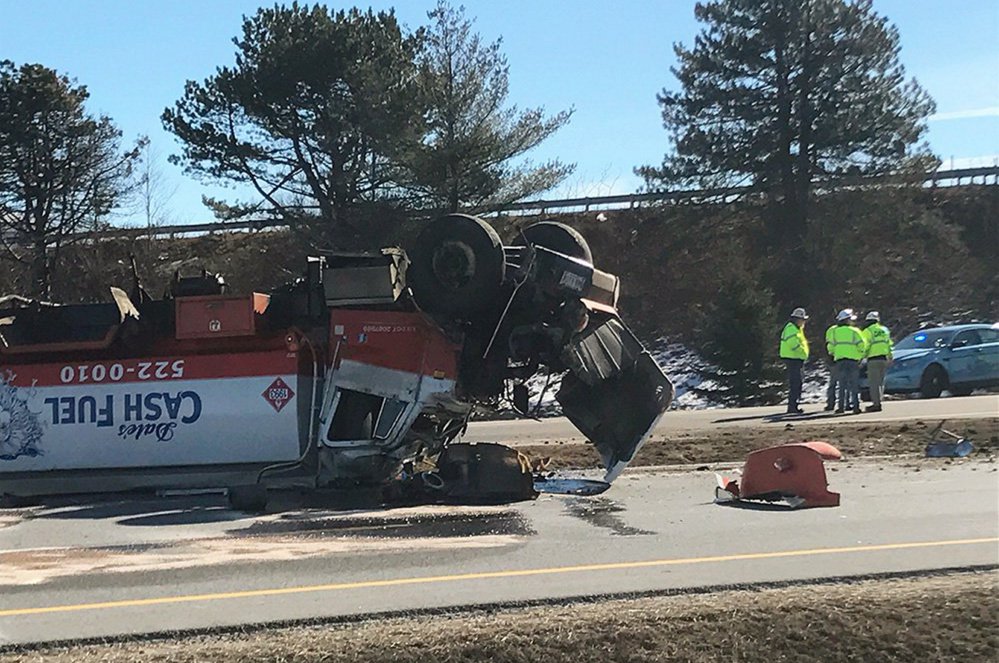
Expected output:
(799, 313)
(846, 314)
(873, 315)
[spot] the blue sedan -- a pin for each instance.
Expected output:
(958, 359)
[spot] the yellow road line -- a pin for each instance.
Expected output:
(487, 575)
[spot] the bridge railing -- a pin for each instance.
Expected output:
(952, 177)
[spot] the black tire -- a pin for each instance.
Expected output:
(934, 382)
(556, 237)
(960, 391)
(252, 498)
(457, 266)
(865, 395)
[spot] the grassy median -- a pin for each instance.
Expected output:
(939, 618)
(732, 444)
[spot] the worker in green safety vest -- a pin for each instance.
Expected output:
(794, 352)
(849, 347)
(879, 357)
(833, 373)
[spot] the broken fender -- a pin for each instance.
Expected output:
(615, 392)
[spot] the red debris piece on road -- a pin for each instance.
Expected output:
(794, 473)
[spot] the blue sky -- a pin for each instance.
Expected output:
(607, 60)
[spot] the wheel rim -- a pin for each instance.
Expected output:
(454, 264)
(934, 382)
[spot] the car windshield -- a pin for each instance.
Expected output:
(923, 340)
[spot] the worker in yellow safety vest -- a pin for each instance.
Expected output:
(833, 373)
(794, 352)
(849, 347)
(879, 357)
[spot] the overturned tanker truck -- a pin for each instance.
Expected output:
(363, 373)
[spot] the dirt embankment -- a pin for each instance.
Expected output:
(943, 618)
(732, 444)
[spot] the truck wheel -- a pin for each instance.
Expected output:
(457, 266)
(252, 499)
(933, 383)
(556, 237)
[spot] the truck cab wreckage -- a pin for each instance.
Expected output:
(363, 373)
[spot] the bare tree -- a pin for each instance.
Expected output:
(155, 190)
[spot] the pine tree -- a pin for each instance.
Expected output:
(469, 155)
(739, 336)
(784, 95)
(314, 114)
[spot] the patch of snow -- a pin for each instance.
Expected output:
(814, 380)
(686, 369)
(547, 406)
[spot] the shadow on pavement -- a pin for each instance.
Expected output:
(757, 506)
(781, 417)
(140, 510)
(189, 516)
(393, 525)
(291, 515)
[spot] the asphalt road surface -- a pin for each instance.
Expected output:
(972, 407)
(77, 569)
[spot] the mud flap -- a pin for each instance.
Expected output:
(614, 393)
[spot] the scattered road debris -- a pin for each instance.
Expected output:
(559, 485)
(945, 444)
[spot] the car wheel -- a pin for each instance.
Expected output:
(933, 383)
(961, 391)
(865, 394)
(457, 266)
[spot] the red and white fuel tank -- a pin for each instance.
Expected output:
(177, 409)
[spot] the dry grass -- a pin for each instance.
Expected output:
(945, 618)
(731, 444)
